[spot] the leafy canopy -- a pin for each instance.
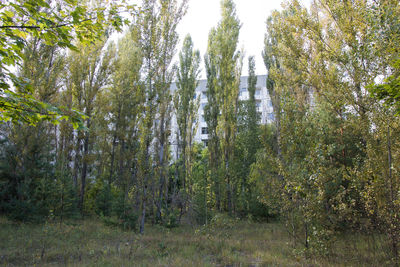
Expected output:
(57, 23)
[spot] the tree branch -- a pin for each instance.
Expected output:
(37, 27)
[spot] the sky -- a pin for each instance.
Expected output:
(203, 15)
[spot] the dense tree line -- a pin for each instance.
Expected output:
(327, 164)
(333, 166)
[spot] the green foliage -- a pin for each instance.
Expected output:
(123, 209)
(389, 91)
(202, 198)
(171, 218)
(186, 107)
(222, 221)
(319, 172)
(223, 68)
(65, 198)
(26, 192)
(326, 167)
(246, 145)
(56, 23)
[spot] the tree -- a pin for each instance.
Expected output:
(247, 143)
(171, 13)
(389, 91)
(89, 72)
(211, 114)
(330, 133)
(223, 42)
(57, 23)
(186, 106)
(157, 38)
(27, 152)
(116, 142)
(383, 18)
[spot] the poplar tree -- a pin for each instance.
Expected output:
(157, 38)
(223, 42)
(171, 13)
(186, 106)
(89, 72)
(332, 135)
(247, 142)
(211, 114)
(123, 101)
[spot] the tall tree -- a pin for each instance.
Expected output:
(247, 142)
(186, 105)
(211, 114)
(171, 13)
(157, 39)
(29, 151)
(123, 101)
(223, 42)
(89, 72)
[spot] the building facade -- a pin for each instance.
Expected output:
(263, 103)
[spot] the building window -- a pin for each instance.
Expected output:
(258, 104)
(258, 92)
(203, 95)
(242, 92)
(202, 119)
(205, 142)
(204, 130)
(271, 116)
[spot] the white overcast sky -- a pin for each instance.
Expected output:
(202, 15)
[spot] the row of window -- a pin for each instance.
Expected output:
(241, 93)
(258, 104)
(204, 130)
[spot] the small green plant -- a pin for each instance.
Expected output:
(171, 219)
(222, 221)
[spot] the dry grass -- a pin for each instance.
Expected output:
(90, 243)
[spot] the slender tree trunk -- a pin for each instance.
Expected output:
(142, 219)
(392, 199)
(161, 173)
(84, 168)
(76, 161)
(145, 184)
(114, 143)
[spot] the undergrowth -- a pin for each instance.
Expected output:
(223, 242)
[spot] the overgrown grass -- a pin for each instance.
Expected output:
(91, 243)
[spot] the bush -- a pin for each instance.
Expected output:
(126, 221)
(120, 212)
(171, 218)
(222, 221)
(103, 200)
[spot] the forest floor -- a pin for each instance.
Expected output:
(91, 243)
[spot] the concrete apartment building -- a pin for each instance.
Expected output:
(263, 103)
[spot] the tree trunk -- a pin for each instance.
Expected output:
(84, 168)
(161, 173)
(392, 199)
(76, 161)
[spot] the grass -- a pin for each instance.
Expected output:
(91, 243)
